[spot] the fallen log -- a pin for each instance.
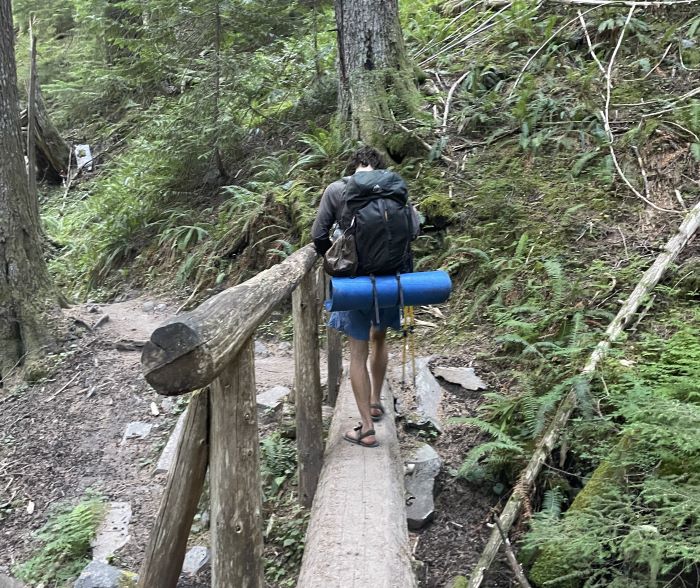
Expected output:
(357, 534)
(190, 350)
(53, 151)
(550, 438)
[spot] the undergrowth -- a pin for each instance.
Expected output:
(640, 525)
(285, 529)
(66, 544)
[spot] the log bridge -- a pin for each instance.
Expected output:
(357, 534)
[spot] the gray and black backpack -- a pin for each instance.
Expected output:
(377, 213)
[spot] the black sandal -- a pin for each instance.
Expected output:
(379, 406)
(360, 436)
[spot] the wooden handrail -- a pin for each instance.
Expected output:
(190, 350)
(213, 346)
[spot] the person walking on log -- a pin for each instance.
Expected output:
(371, 195)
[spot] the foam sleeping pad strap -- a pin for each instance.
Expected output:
(365, 292)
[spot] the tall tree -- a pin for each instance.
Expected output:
(376, 78)
(28, 300)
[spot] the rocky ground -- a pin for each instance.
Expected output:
(450, 543)
(95, 426)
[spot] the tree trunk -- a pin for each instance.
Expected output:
(376, 79)
(27, 297)
(53, 153)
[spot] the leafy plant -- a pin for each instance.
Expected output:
(66, 544)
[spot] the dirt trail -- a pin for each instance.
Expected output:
(64, 436)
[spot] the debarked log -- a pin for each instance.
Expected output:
(190, 350)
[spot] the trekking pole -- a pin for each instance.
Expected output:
(404, 331)
(412, 340)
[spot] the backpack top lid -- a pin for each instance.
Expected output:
(364, 186)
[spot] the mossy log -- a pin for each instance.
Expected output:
(53, 152)
(550, 563)
(551, 436)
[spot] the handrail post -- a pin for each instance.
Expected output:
(236, 491)
(334, 342)
(334, 354)
(168, 540)
(307, 382)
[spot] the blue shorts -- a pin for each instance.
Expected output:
(356, 323)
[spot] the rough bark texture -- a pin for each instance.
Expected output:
(551, 436)
(190, 350)
(27, 297)
(31, 129)
(168, 542)
(307, 385)
(376, 79)
(335, 363)
(236, 490)
(357, 535)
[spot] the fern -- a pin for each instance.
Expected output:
(66, 544)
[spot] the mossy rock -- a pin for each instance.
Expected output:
(438, 210)
(554, 562)
(460, 582)
(128, 580)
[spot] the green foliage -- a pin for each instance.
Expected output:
(634, 520)
(66, 544)
(287, 535)
(501, 449)
(278, 458)
(287, 521)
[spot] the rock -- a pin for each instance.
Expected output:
(149, 306)
(167, 456)
(418, 422)
(195, 559)
(428, 393)
(272, 399)
(205, 520)
(113, 533)
(101, 321)
(261, 349)
(327, 413)
(687, 43)
(284, 347)
(420, 486)
(161, 307)
(101, 575)
(128, 345)
(462, 376)
(167, 405)
(136, 430)
(7, 582)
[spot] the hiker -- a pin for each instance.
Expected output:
(360, 326)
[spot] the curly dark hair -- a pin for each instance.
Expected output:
(366, 156)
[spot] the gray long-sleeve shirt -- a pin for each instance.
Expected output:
(329, 212)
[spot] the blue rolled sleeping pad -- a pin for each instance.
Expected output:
(418, 288)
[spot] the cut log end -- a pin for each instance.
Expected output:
(176, 361)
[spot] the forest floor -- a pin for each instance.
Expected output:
(64, 438)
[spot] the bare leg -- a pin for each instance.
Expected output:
(359, 380)
(377, 366)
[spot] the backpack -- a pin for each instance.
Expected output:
(377, 219)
